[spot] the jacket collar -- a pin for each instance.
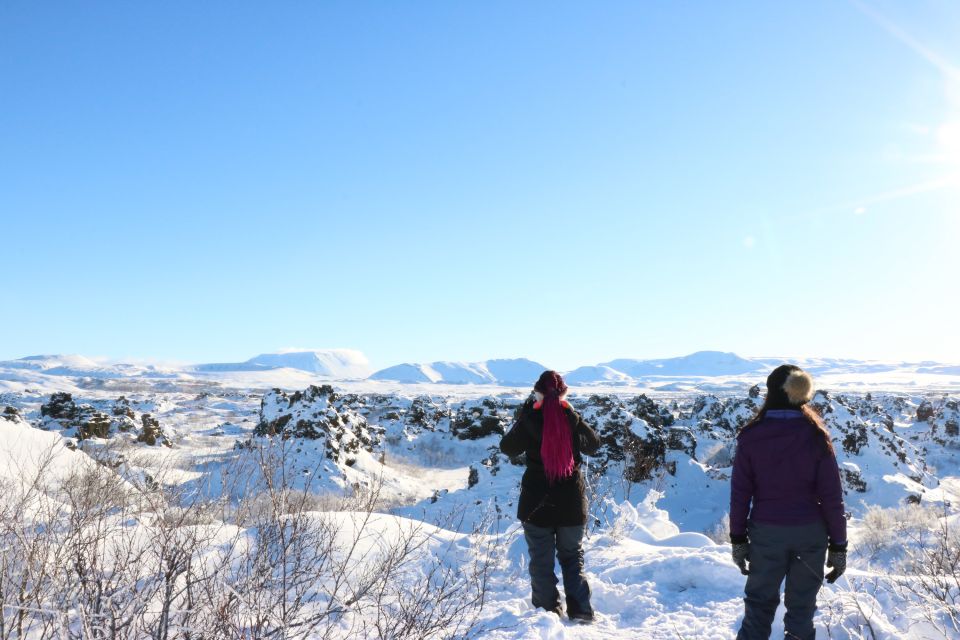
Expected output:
(784, 414)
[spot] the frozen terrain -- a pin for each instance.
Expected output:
(708, 371)
(427, 454)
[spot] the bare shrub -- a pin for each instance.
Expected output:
(920, 584)
(26, 537)
(853, 612)
(95, 556)
(930, 574)
(599, 491)
(884, 530)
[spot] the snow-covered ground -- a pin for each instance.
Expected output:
(659, 487)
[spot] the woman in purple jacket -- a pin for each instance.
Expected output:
(786, 508)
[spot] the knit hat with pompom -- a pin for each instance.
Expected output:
(789, 387)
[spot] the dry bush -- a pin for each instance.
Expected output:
(930, 574)
(599, 491)
(95, 556)
(920, 588)
(853, 612)
(434, 451)
(884, 530)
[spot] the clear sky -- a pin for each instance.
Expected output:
(570, 182)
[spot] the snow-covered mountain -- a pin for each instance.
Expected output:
(506, 372)
(52, 362)
(78, 366)
(715, 371)
(721, 371)
(701, 363)
(599, 373)
(291, 368)
(619, 372)
(331, 363)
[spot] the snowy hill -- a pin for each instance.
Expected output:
(408, 373)
(25, 450)
(331, 363)
(599, 373)
(515, 371)
(506, 372)
(340, 364)
(701, 363)
(77, 366)
(52, 362)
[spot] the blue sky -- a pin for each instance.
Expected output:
(570, 182)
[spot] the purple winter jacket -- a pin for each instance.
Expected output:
(782, 476)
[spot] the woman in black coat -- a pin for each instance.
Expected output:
(553, 506)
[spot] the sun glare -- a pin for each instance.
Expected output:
(948, 140)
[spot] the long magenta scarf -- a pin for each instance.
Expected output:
(556, 447)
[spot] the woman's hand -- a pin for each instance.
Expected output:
(740, 551)
(837, 560)
(741, 554)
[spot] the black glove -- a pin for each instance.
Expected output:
(741, 553)
(524, 409)
(524, 422)
(837, 559)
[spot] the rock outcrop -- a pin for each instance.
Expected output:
(151, 433)
(318, 413)
(879, 439)
(83, 421)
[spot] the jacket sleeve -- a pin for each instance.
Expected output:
(830, 494)
(741, 492)
(587, 437)
(517, 440)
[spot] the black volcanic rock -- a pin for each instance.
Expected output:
(318, 413)
(475, 420)
(151, 433)
(60, 407)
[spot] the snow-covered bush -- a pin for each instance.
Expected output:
(913, 577)
(930, 574)
(88, 554)
(433, 451)
(886, 530)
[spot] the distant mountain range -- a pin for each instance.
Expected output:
(523, 372)
(348, 364)
(701, 363)
(332, 363)
(506, 372)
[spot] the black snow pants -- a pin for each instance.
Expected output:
(567, 544)
(796, 553)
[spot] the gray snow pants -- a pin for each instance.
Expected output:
(796, 553)
(566, 543)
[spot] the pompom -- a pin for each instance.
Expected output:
(799, 387)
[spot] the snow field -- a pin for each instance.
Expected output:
(653, 572)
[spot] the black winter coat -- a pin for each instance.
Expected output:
(564, 504)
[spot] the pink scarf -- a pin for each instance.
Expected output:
(556, 447)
